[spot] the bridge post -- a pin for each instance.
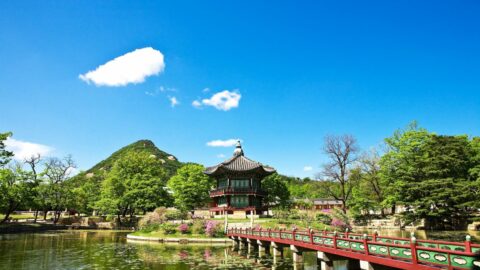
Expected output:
(252, 244)
(263, 248)
(324, 261)
(297, 254)
(364, 265)
(242, 243)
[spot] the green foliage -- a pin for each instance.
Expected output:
(198, 227)
(150, 219)
(323, 218)
(278, 193)
(168, 228)
(5, 156)
(176, 215)
(430, 174)
(190, 187)
(136, 181)
(14, 190)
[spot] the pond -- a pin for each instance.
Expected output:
(110, 250)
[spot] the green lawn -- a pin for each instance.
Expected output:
(22, 216)
(160, 234)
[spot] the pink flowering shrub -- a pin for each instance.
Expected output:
(183, 228)
(210, 228)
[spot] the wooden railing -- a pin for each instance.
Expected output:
(233, 190)
(443, 254)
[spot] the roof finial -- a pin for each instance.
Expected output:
(238, 149)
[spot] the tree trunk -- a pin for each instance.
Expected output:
(7, 215)
(45, 212)
(119, 218)
(35, 216)
(393, 208)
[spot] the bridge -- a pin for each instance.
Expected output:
(362, 251)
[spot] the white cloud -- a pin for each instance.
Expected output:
(23, 150)
(206, 90)
(307, 168)
(159, 90)
(220, 156)
(173, 101)
(222, 143)
(223, 101)
(196, 104)
(132, 67)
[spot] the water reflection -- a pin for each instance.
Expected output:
(110, 250)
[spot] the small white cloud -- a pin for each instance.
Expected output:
(196, 104)
(206, 90)
(307, 168)
(173, 101)
(132, 67)
(222, 143)
(220, 156)
(223, 101)
(23, 150)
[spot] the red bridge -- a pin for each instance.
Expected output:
(362, 251)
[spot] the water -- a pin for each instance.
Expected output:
(110, 250)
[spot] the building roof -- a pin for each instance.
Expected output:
(326, 201)
(239, 164)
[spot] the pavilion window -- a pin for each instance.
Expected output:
(222, 183)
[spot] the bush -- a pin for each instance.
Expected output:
(168, 228)
(214, 229)
(183, 228)
(323, 218)
(176, 215)
(198, 227)
(340, 220)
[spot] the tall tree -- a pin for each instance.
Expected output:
(58, 192)
(191, 187)
(14, 190)
(342, 153)
(136, 181)
(429, 174)
(278, 194)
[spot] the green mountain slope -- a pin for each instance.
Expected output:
(169, 161)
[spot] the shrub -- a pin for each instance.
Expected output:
(183, 228)
(176, 215)
(168, 228)
(340, 220)
(152, 218)
(198, 227)
(214, 229)
(323, 218)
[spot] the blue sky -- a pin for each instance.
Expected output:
(295, 72)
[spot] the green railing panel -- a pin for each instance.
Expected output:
(343, 243)
(466, 262)
(432, 256)
(317, 240)
(287, 236)
(298, 237)
(306, 238)
(475, 249)
(401, 252)
(328, 242)
(377, 249)
(275, 235)
(452, 247)
(357, 246)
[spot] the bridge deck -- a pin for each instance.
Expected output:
(395, 252)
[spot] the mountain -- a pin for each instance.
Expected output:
(170, 162)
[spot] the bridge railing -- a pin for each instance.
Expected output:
(454, 255)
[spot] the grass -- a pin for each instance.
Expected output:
(20, 216)
(160, 234)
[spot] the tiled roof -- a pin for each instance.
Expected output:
(239, 163)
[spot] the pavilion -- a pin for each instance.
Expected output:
(238, 190)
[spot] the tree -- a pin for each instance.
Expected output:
(136, 181)
(5, 156)
(190, 187)
(341, 150)
(429, 174)
(34, 176)
(369, 194)
(57, 190)
(14, 190)
(278, 194)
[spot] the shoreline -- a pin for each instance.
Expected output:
(179, 240)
